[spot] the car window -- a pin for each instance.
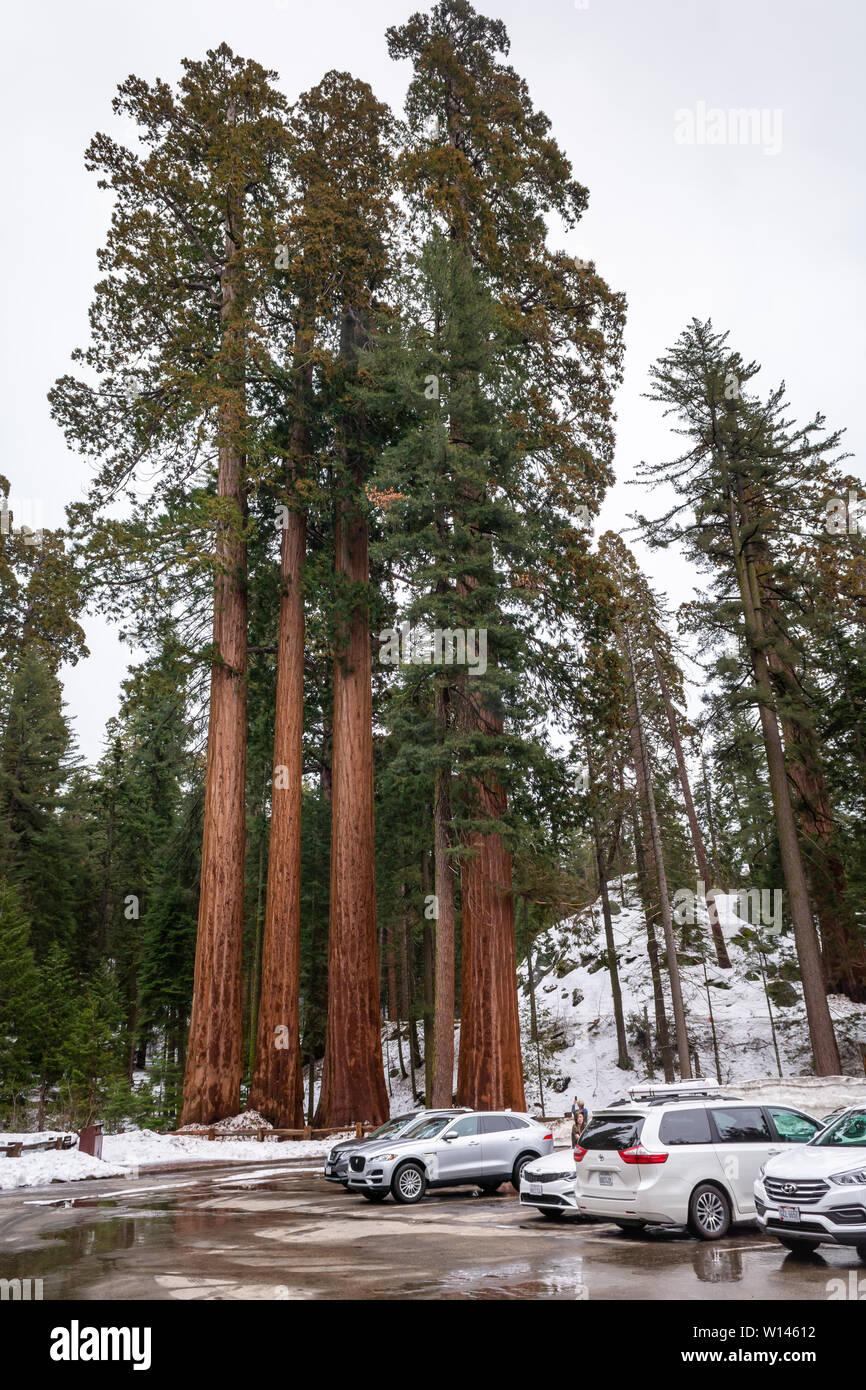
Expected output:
(391, 1126)
(514, 1123)
(742, 1124)
(849, 1129)
(685, 1127)
(791, 1126)
(468, 1125)
(612, 1132)
(495, 1124)
(427, 1129)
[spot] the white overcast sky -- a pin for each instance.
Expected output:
(768, 245)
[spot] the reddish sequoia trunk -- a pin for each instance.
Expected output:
(490, 1067)
(277, 1088)
(443, 1022)
(214, 1063)
(353, 1081)
(722, 956)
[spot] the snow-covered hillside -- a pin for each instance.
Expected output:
(575, 1009)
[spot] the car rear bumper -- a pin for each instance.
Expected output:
(631, 1207)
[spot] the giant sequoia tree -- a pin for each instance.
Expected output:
(179, 342)
(482, 169)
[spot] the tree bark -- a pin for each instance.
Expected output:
(490, 1066)
(277, 1087)
(643, 878)
(443, 1024)
(642, 750)
(721, 949)
(825, 1051)
(214, 1062)
(623, 1059)
(353, 1080)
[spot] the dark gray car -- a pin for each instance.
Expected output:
(337, 1162)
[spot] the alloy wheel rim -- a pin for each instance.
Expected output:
(410, 1183)
(710, 1211)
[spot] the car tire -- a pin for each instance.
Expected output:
(861, 1251)
(409, 1184)
(709, 1212)
(802, 1248)
(518, 1168)
(488, 1188)
(344, 1184)
(630, 1225)
(374, 1196)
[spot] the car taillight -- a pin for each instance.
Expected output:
(548, 1136)
(579, 1153)
(638, 1154)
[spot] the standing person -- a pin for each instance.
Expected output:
(580, 1119)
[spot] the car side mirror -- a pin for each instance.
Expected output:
(452, 1135)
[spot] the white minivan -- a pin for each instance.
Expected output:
(681, 1156)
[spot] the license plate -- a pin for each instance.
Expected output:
(536, 1189)
(789, 1214)
(606, 1179)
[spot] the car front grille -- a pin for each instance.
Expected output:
(356, 1163)
(795, 1193)
(544, 1199)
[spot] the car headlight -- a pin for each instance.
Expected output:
(381, 1158)
(855, 1178)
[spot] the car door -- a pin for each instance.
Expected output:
(500, 1144)
(744, 1141)
(459, 1156)
(692, 1151)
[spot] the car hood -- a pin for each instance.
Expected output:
(560, 1161)
(803, 1161)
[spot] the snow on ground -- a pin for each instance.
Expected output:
(125, 1155)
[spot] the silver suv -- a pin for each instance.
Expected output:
(449, 1149)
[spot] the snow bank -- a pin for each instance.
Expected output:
(126, 1155)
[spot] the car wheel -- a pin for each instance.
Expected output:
(488, 1188)
(409, 1184)
(798, 1247)
(630, 1225)
(709, 1213)
(861, 1251)
(517, 1171)
(344, 1184)
(374, 1196)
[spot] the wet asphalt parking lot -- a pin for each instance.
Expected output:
(279, 1231)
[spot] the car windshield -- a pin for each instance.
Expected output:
(390, 1127)
(848, 1131)
(426, 1129)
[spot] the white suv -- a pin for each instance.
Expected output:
(681, 1156)
(817, 1194)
